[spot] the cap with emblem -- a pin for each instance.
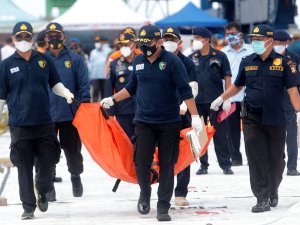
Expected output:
(147, 34)
(22, 27)
(125, 38)
(262, 30)
(202, 31)
(129, 30)
(171, 31)
(54, 27)
(281, 35)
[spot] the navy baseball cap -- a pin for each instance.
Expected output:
(41, 36)
(281, 35)
(147, 34)
(21, 27)
(125, 38)
(262, 30)
(202, 31)
(171, 31)
(54, 27)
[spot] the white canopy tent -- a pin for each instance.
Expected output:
(100, 15)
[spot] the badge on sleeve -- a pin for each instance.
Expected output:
(292, 66)
(68, 64)
(42, 63)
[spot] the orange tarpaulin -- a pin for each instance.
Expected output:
(112, 150)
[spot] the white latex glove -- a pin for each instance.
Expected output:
(68, 96)
(183, 108)
(107, 102)
(61, 90)
(298, 117)
(216, 103)
(197, 124)
(226, 105)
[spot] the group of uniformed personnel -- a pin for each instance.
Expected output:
(154, 92)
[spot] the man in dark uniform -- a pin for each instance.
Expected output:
(212, 68)
(158, 79)
(265, 74)
(24, 80)
(172, 42)
(120, 71)
(281, 41)
(73, 74)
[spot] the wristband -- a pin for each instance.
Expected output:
(113, 99)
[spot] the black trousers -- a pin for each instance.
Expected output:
(26, 144)
(234, 121)
(71, 144)
(126, 123)
(291, 139)
(221, 138)
(166, 136)
(265, 154)
(183, 178)
(97, 89)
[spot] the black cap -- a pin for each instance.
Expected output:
(148, 33)
(41, 36)
(125, 38)
(202, 31)
(54, 27)
(171, 31)
(262, 30)
(281, 35)
(22, 27)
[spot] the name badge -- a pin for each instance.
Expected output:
(139, 67)
(14, 70)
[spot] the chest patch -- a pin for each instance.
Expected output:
(139, 67)
(42, 63)
(14, 70)
(68, 64)
(162, 65)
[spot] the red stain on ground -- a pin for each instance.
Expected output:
(206, 213)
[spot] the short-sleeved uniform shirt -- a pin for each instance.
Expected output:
(211, 70)
(24, 84)
(265, 83)
(158, 88)
(120, 71)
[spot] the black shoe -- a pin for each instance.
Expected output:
(42, 202)
(293, 173)
(57, 179)
(27, 215)
(273, 202)
(163, 217)
(236, 163)
(143, 206)
(51, 194)
(201, 171)
(76, 185)
(261, 206)
(228, 171)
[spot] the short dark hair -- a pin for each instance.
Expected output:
(235, 25)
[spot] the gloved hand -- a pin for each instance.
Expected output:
(298, 117)
(216, 103)
(197, 124)
(69, 96)
(183, 108)
(107, 102)
(226, 105)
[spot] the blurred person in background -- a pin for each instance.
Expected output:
(97, 73)
(75, 46)
(8, 49)
(218, 42)
(294, 45)
(235, 51)
(40, 42)
(281, 41)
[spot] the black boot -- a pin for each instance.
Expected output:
(261, 206)
(76, 185)
(42, 202)
(51, 194)
(163, 217)
(143, 205)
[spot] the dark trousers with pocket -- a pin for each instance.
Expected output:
(291, 139)
(26, 144)
(98, 89)
(166, 137)
(220, 138)
(265, 154)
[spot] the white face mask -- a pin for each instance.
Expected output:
(23, 46)
(197, 45)
(170, 46)
(97, 45)
(125, 51)
(280, 48)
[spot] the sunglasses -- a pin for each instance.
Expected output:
(54, 37)
(25, 37)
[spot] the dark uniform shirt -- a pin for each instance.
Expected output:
(119, 75)
(157, 87)
(211, 70)
(265, 83)
(25, 86)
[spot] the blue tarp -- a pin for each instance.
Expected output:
(191, 16)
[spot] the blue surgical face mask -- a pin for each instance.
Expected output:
(233, 39)
(259, 47)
